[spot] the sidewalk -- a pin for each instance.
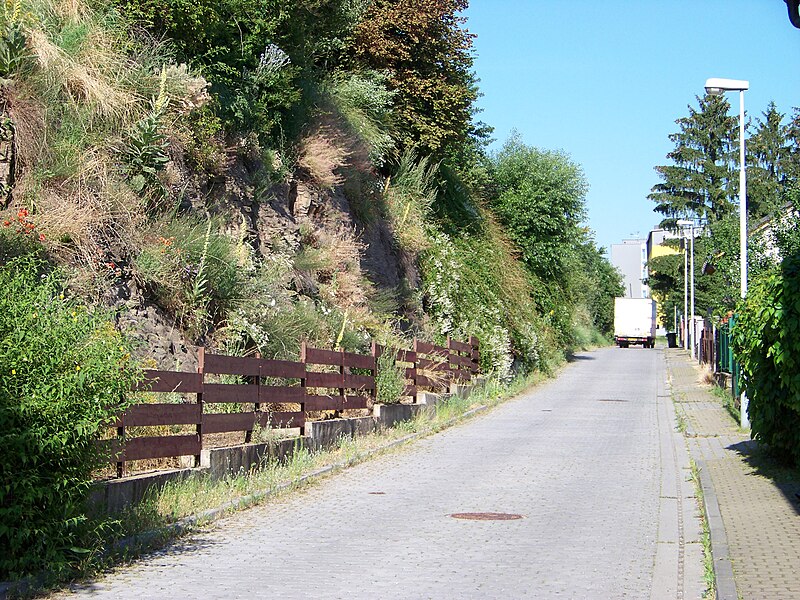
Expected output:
(754, 515)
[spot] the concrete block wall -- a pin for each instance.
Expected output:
(116, 494)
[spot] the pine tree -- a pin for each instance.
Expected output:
(768, 156)
(702, 181)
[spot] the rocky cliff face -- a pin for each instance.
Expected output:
(283, 217)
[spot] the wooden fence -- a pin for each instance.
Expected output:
(238, 394)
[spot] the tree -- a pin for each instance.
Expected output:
(702, 181)
(426, 52)
(540, 198)
(768, 155)
(596, 283)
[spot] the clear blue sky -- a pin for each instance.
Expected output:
(605, 81)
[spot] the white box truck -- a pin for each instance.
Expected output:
(635, 322)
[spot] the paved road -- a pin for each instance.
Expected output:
(591, 460)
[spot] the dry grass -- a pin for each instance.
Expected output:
(89, 213)
(321, 157)
(86, 79)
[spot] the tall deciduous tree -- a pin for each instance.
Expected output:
(540, 198)
(426, 51)
(701, 181)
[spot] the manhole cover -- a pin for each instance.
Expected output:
(487, 516)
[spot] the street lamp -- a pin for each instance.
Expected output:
(683, 224)
(716, 87)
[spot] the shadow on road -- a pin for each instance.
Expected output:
(763, 464)
(577, 357)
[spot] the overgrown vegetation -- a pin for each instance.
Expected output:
(766, 342)
(64, 372)
(324, 180)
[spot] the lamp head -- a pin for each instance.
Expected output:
(716, 86)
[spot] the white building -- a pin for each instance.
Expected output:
(630, 259)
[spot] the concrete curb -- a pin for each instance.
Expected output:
(148, 539)
(723, 569)
(144, 540)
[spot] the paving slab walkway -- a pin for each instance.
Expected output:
(758, 535)
(592, 461)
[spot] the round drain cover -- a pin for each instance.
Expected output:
(487, 516)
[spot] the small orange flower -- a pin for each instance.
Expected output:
(41, 237)
(6, 223)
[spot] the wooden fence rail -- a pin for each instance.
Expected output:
(238, 394)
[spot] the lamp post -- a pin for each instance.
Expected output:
(716, 87)
(683, 224)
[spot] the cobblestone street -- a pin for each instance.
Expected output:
(759, 530)
(591, 459)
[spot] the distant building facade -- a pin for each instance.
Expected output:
(630, 259)
(656, 247)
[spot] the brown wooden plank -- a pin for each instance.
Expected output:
(161, 447)
(225, 422)
(274, 393)
(410, 373)
(329, 380)
(355, 402)
(463, 361)
(473, 341)
(420, 346)
(358, 361)
(423, 381)
(281, 419)
(148, 415)
(461, 374)
(359, 382)
(170, 381)
(335, 402)
(459, 346)
(320, 402)
(431, 365)
(282, 368)
(476, 356)
(220, 364)
(318, 356)
(406, 356)
(410, 390)
(228, 392)
(423, 347)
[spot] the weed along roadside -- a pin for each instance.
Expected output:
(199, 497)
(138, 511)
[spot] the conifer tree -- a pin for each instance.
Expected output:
(702, 180)
(768, 156)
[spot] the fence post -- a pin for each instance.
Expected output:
(201, 358)
(303, 382)
(476, 356)
(248, 435)
(376, 354)
(121, 445)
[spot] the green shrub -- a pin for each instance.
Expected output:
(766, 342)
(64, 372)
(389, 379)
(193, 270)
(364, 102)
(12, 38)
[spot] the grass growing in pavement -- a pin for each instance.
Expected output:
(708, 557)
(147, 525)
(726, 397)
